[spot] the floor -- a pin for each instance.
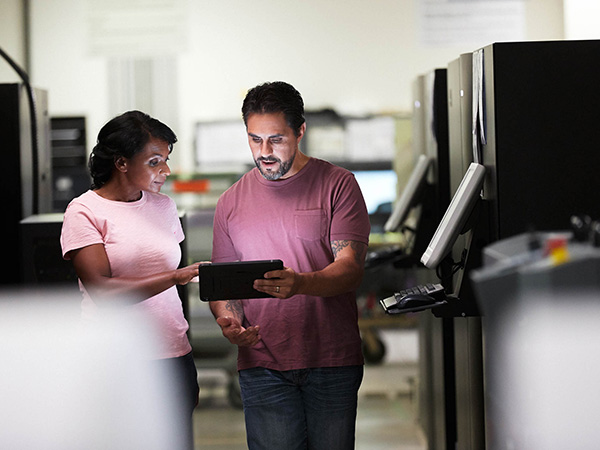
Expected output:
(385, 420)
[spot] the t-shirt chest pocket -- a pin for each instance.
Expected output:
(310, 225)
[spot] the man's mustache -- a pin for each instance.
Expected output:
(268, 159)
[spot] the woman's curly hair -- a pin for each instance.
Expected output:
(124, 136)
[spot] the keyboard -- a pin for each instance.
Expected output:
(417, 298)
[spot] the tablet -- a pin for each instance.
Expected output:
(234, 280)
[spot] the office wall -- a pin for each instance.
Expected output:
(352, 55)
(582, 19)
(12, 39)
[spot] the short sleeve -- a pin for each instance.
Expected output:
(350, 219)
(79, 229)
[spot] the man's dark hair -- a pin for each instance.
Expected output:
(124, 135)
(275, 97)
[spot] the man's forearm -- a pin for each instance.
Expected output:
(339, 277)
(344, 274)
(227, 308)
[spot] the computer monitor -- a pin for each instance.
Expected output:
(378, 188)
(222, 146)
(410, 194)
(377, 183)
(456, 216)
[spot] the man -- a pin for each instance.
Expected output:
(299, 357)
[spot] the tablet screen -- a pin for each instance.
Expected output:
(234, 280)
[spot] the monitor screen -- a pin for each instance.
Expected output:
(378, 188)
(222, 146)
(410, 194)
(456, 216)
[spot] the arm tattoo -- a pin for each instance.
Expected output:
(235, 307)
(360, 250)
(337, 246)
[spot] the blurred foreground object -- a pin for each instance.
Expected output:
(540, 295)
(68, 386)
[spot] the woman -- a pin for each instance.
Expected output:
(123, 238)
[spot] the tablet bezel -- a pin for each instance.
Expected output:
(233, 280)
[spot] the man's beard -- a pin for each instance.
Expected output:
(284, 167)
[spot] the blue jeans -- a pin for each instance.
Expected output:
(301, 409)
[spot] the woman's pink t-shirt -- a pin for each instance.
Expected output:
(141, 238)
